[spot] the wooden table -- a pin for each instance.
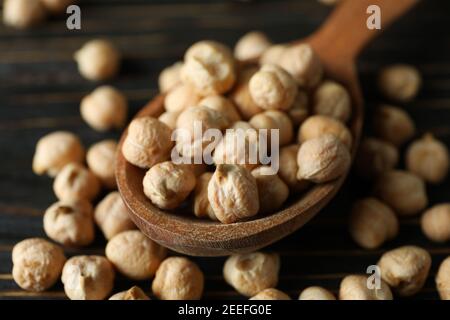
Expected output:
(40, 91)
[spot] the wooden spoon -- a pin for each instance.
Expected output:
(338, 42)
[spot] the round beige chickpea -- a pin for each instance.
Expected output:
(272, 88)
(23, 14)
(98, 60)
(405, 269)
(209, 68)
(443, 279)
(274, 192)
(37, 264)
(169, 78)
(222, 105)
(55, 150)
(316, 293)
(322, 159)
(233, 182)
(88, 278)
(402, 191)
(393, 124)
(318, 125)
(251, 46)
(148, 142)
(74, 182)
(271, 294)
(274, 119)
(180, 98)
(104, 109)
(111, 215)
(435, 223)
(169, 119)
(400, 82)
(167, 184)
(250, 273)
(428, 158)
(202, 207)
(178, 278)
(356, 287)
(57, 6)
(101, 159)
(372, 223)
(272, 55)
(333, 100)
(289, 168)
(299, 110)
(134, 293)
(70, 223)
(134, 255)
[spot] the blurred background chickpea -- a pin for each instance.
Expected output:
(316, 293)
(443, 279)
(101, 158)
(23, 14)
(333, 100)
(435, 223)
(400, 82)
(169, 78)
(251, 46)
(271, 294)
(354, 287)
(393, 124)
(75, 182)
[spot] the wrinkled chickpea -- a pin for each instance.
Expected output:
(167, 184)
(289, 168)
(202, 207)
(169, 78)
(178, 278)
(104, 109)
(322, 159)
(435, 223)
(299, 110)
(250, 273)
(37, 264)
(134, 255)
(55, 150)
(222, 105)
(428, 158)
(57, 6)
(88, 278)
(98, 60)
(180, 98)
(274, 119)
(316, 126)
(74, 182)
(443, 279)
(372, 223)
(273, 88)
(271, 294)
(23, 14)
(393, 125)
(233, 193)
(316, 293)
(101, 159)
(400, 82)
(405, 269)
(251, 46)
(169, 119)
(402, 191)
(274, 192)
(355, 287)
(375, 157)
(208, 68)
(70, 223)
(111, 215)
(148, 142)
(273, 54)
(134, 293)
(333, 100)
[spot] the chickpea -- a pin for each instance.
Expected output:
(70, 223)
(428, 158)
(169, 78)
(251, 46)
(167, 184)
(372, 223)
(202, 207)
(271, 294)
(393, 125)
(98, 60)
(274, 119)
(74, 182)
(329, 2)
(87, 278)
(111, 215)
(233, 193)
(55, 150)
(402, 191)
(322, 159)
(443, 279)
(208, 68)
(169, 119)
(101, 159)
(316, 126)
(273, 54)
(180, 98)
(197, 168)
(275, 192)
(273, 88)
(148, 142)
(251, 273)
(299, 110)
(405, 269)
(23, 14)
(375, 157)
(178, 278)
(355, 287)
(57, 6)
(104, 109)
(435, 223)
(333, 100)
(289, 168)
(37, 264)
(222, 105)
(316, 293)
(134, 293)
(134, 255)
(400, 82)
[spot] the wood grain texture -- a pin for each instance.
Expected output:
(40, 91)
